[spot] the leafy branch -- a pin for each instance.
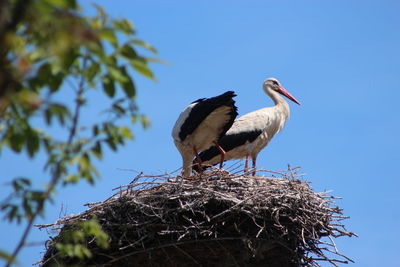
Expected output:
(57, 173)
(51, 47)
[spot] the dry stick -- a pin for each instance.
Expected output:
(235, 167)
(57, 172)
(134, 244)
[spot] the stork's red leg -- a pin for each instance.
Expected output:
(246, 165)
(222, 153)
(199, 161)
(254, 165)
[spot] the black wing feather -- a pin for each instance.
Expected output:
(203, 108)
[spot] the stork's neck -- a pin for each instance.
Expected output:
(280, 102)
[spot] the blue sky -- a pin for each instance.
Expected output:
(340, 59)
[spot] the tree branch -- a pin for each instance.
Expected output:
(57, 172)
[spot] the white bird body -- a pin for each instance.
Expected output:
(268, 121)
(201, 124)
(252, 132)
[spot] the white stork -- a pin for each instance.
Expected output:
(250, 133)
(202, 124)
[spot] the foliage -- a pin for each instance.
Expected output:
(73, 242)
(50, 53)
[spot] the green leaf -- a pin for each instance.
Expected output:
(69, 58)
(93, 70)
(38, 197)
(20, 184)
(109, 86)
(16, 141)
(27, 205)
(156, 60)
(124, 26)
(145, 121)
(43, 75)
(140, 65)
(48, 143)
(93, 228)
(84, 162)
(71, 179)
(144, 45)
(48, 116)
(118, 109)
(14, 214)
(47, 76)
(73, 242)
(63, 4)
(11, 211)
(111, 143)
(74, 251)
(55, 81)
(128, 52)
(95, 130)
(97, 150)
(64, 62)
(60, 111)
(117, 74)
(127, 84)
(36, 55)
(126, 132)
(109, 35)
(32, 142)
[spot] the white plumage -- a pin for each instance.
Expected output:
(250, 133)
(201, 124)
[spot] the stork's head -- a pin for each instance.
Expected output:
(272, 84)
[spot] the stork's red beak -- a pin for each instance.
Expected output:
(288, 95)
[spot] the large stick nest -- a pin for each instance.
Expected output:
(216, 219)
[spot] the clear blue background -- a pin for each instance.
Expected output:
(340, 59)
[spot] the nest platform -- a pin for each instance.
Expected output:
(214, 219)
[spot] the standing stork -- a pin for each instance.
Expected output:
(250, 133)
(201, 125)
